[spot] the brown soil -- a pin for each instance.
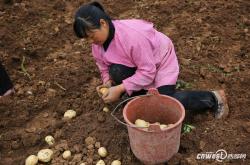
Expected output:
(212, 42)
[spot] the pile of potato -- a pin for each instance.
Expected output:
(62, 153)
(44, 155)
(91, 143)
(144, 124)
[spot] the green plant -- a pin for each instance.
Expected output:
(24, 71)
(180, 84)
(188, 128)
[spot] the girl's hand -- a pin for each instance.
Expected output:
(8, 92)
(113, 94)
(107, 84)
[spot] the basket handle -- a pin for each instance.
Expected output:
(118, 105)
(151, 92)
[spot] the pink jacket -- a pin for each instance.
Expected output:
(137, 44)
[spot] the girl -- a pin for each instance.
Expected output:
(6, 86)
(132, 57)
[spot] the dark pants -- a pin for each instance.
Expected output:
(191, 100)
(5, 82)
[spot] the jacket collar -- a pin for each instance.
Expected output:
(110, 36)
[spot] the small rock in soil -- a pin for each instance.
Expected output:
(58, 124)
(62, 146)
(77, 148)
(96, 157)
(90, 147)
(77, 158)
(45, 115)
(51, 92)
(30, 140)
(42, 83)
(246, 127)
(203, 72)
(15, 145)
(58, 134)
(100, 117)
(89, 160)
(97, 145)
(90, 152)
(84, 151)
(72, 163)
(202, 145)
(185, 61)
(90, 140)
(56, 154)
(30, 130)
(191, 161)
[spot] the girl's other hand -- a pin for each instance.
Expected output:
(8, 92)
(113, 94)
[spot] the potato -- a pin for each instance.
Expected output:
(141, 123)
(104, 91)
(105, 109)
(100, 162)
(162, 126)
(50, 140)
(45, 155)
(31, 160)
(66, 154)
(70, 114)
(169, 125)
(116, 162)
(102, 152)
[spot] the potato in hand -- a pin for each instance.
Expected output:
(104, 91)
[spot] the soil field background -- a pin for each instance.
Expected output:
(211, 38)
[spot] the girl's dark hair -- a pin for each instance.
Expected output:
(88, 18)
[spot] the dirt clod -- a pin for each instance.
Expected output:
(90, 141)
(101, 117)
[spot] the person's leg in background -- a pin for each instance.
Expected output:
(196, 101)
(6, 86)
(120, 72)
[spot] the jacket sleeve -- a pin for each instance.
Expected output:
(141, 53)
(103, 68)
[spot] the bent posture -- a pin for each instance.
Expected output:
(132, 57)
